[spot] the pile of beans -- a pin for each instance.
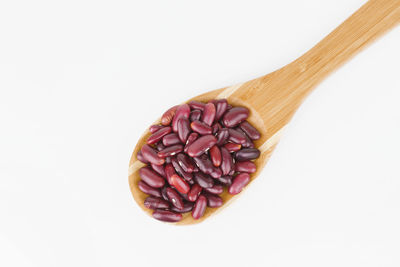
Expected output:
(198, 149)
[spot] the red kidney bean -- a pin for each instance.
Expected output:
(221, 106)
(185, 162)
(216, 173)
(147, 189)
(181, 111)
(186, 175)
(239, 182)
(167, 216)
(245, 166)
(216, 189)
(203, 180)
(151, 178)
(164, 193)
(247, 154)
(201, 145)
(160, 146)
(140, 157)
(187, 206)
(225, 180)
(184, 130)
(150, 154)
(199, 207)
(200, 127)
(235, 116)
(158, 169)
(169, 171)
(192, 137)
(184, 196)
(157, 136)
(155, 128)
(248, 143)
(171, 139)
(216, 127)
(174, 198)
(222, 136)
(232, 147)
(227, 162)
(155, 203)
(215, 155)
(170, 151)
(236, 137)
(204, 163)
(181, 185)
(214, 201)
(197, 105)
(167, 117)
(250, 130)
(194, 192)
(209, 114)
(195, 115)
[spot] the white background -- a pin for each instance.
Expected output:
(80, 80)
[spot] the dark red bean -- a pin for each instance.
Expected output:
(200, 127)
(158, 169)
(209, 114)
(201, 145)
(155, 128)
(214, 201)
(204, 163)
(167, 216)
(167, 117)
(203, 180)
(232, 147)
(192, 137)
(245, 166)
(157, 136)
(171, 139)
(194, 192)
(215, 155)
(184, 130)
(216, 127)
(227, 161)
(216, 189)
(235, 116)
(185, 162)
(150, 154)
(181, 111)
(184, 196)
(151, 178)
(199, 207)
(236, 137)
(186, 175)
(195, 115)
(239, 182)
(197, 105)
(181, 185)
(175, 198)
(222, 136)
(160, 146)
(164, 193)
(250, 130)
(248, 143)
(187, 206)
(170, 151)
(216, 173)
(147, 189)
(247, 154)
(225, 180)
(169, 172)
(140, 157)
(221, 106)
(155, 203)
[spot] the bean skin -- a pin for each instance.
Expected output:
(155, 203)
(170, 151)
(159, 146)
(234, 116)
(245, 166)
(214, 201)
(225, 180)
(150, 154)
(192, 137)
(187, 206)
(247, 154)
(216, 189)
(151, 178)
(174, 198)
(157, 136)
(227, 162)
(197, 105)
(194, 192)
(195, 115)
(145, 188)
(221, 106)
(201, 128)
(183, 126)
(181, 185)
(155, 128)
(203, 180)
(232, 147)
(248, 143)
(201, 145)
(199, 207)
(181, 111)
(169, 172)
(216, 173)
(250, 130)
(239, 182)
(222, 136)
(167, 216)
(236, 137)
(164, 193)
(186, 175)
(209, 114)
(171, 139)
(158, 169)
(140, 157)
(167, 117)
(204, 163)
(216, 127)
(185, 162)
(215, 155)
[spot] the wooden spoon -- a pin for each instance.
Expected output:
(274, 98)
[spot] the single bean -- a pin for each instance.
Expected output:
(169, 172)
(157, 136)
(167, 216)
(174, 198)
(170, 151)
(195, 115)
(199, 207)
(235, 116)
(250, 130)
(150, 154)
(151, 178)
(245, 166)
(192, 137)
(186, 175)
(140, 157)
(187, 206)
(215, 155)
(227, 161)
(181, 185)
(201, 145)
(209, 114)
(197, 105)
(147, 189)
(200, 127)
(158, 169)
(155, 203)
(238, 183)
(204, 163)
(181, 111)
(225, 180)
(216, 173)
(247, 154)
(194, 192)
(232, 147)
(216, 189)
(236, 137)
(214, 201)
(222, 136)
(221, 106)
(203, 180)
(185, 162)
(184, 130)
(155, 128)
(171, 139)
(248, 143)
(167, 117)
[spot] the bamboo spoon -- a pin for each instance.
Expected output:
(274, 98)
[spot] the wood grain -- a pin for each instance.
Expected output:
(274, 98)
